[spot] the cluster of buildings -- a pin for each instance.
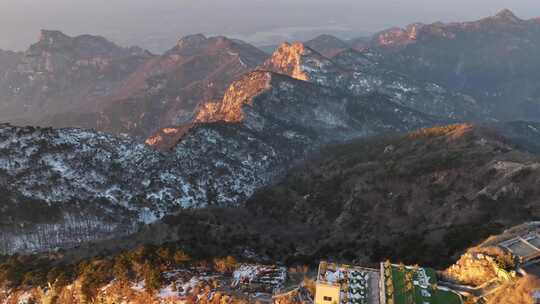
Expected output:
(400, 284)
(391, 284)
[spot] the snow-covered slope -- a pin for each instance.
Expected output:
(96, 186)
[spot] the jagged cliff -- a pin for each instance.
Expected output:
(359, 74)
(168, 90)
(90, 82)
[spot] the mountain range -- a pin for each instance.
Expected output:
(492, 59)
(264, 124)
(87, 81)
(441, 69)
(412, 145)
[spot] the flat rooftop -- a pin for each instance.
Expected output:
(525, 247)
(357, 284)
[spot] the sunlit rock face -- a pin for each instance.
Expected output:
(241, 93)
(263, 99)
(360, 73)
(168, 90)
(302, 63)
(87, 81)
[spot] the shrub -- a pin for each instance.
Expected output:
(181, 258)
(122, 268)
(152, 278)
(225, 265)
(93, 275)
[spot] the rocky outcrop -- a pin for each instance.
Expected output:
(168, 90)
(359, 74)
(303, 63)
(89, 82)
(241, 93)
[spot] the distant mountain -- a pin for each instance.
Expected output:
(60, 77)
(360, 73)
(493, 59)
(268, 49)
(167, 89)
(360, 43)
(327, 45)
(87, 81)
(8, 60)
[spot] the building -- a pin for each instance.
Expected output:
(526, 247)
(259, 278)
(391, 284)
(344, 284)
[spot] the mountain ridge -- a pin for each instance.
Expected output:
(361, 74)
(214, 162)
(60, 74)
(491, 60)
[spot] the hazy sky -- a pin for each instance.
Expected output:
(156, 24)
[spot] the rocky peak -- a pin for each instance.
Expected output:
(193, 44)
(190, 42)
(167, 138)
(400, 37)
(507, 15)
(396, 37)
(79, 47)
(327, 45)
(288, 59)
(298, 61)
(240, 93)
(53, 39)
(196, 45)
(52, 36)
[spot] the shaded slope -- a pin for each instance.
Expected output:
(492, 59)
(360, 73)
(168, 89)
